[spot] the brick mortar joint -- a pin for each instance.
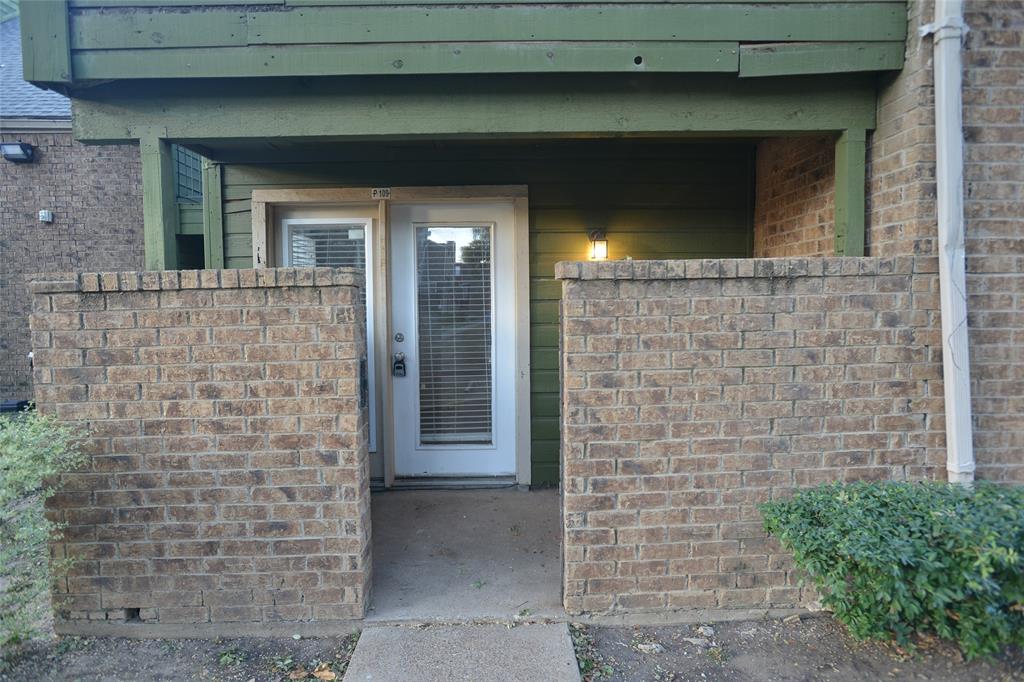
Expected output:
(176, 280)
(744, 268)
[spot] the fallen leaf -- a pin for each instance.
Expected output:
(323, 672)
(298, 674)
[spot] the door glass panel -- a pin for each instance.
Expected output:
(453, 305)
(337, 245)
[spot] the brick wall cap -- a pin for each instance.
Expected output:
(736, 268)
(171, 280)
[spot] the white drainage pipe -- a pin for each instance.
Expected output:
(948, 32)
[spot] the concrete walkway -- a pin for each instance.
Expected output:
(477, 653)
(465, 555)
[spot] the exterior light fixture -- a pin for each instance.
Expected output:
(598, 245)
(18, 152)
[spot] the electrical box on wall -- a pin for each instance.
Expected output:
(45, 216)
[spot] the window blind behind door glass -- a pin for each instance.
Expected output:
(453, 302)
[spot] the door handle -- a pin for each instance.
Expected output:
(398, 365)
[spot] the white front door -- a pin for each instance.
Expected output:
(453, 339)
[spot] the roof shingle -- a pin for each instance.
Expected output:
(19, 98)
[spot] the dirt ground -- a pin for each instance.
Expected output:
(813, 648)
(71, 659)
(809, 649)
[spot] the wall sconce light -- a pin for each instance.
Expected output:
(598, 245)
(18, 152)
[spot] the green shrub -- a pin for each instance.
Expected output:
(33, 450)
(892, 559)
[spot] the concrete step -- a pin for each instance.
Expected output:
(491, 653)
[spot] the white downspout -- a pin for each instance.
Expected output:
(948, 31)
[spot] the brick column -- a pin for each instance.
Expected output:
(694, 390)
(228, 477)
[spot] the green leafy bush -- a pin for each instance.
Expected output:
(33, 450)
(892, 559)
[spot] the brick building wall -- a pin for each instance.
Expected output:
(994, 208)
(901, 205)
(794, 209)
(95, 193)
(694, 390)
(901, 151)
(228, 473)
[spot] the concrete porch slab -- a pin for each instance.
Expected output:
(526, 653)
(464, 555)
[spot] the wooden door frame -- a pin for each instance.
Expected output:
(263, 203)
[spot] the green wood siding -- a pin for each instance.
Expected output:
(120, 39)
(190, 218)
(655, 199)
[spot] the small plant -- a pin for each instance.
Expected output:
(591, 664)
(282, 663)
(895, 559)
(34, 450)
(229, 657)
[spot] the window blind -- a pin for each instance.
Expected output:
(453, 303)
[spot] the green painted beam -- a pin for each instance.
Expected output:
(793, 59)
(121, 4)
(428, 3)
(213, 215)
(851, 156)
(776, 22)
(159, 209)
(435, 107)
(46, 55)
(408, 58)
(656, 21)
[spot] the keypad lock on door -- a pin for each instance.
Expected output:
(398, 365)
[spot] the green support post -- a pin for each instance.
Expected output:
(213, 216)
(851, 155)
(159, 210)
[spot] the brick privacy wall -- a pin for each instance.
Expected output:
(228, 471)
(794, 210)
(95, 193)
(695, 390)
(902, 217)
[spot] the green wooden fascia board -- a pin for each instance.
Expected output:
(436, 107)
(792, 59)
(850, 174)
(213, 215)
(45, 41)
(408, 59)
(122, 4)
(226, 26)
(159, 208)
